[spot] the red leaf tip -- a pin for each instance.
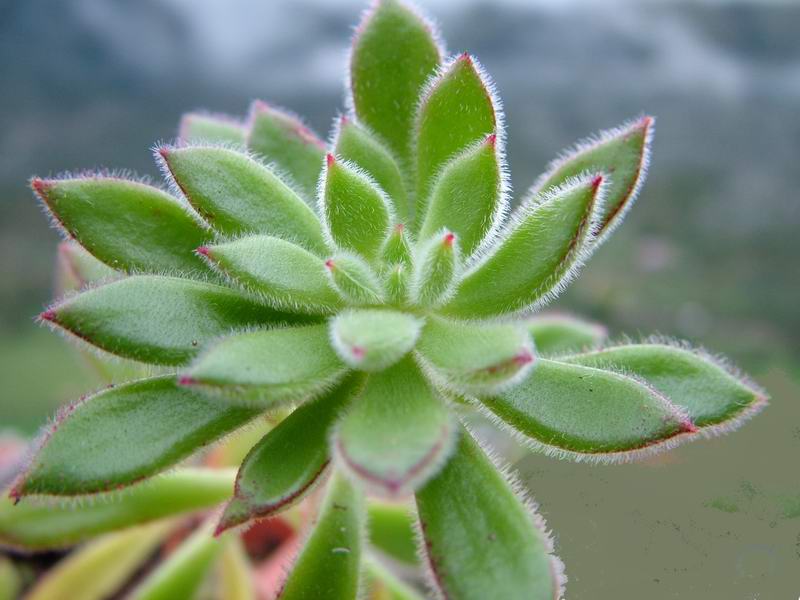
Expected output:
(449, 238)
(524, 358)
(687, 426)
(186, 380)
(598, 179)
(491, 140)
(358, 352)
(204, 251)
(329, 264)
(40, 186)
(48, 315)
(399, 228)
(465, 57)
(330, 159)
(164, 152)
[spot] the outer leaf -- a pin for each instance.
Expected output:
(468, 196)
(235, 581)
(99, 569)
(572, 411)
(285, 465)
(356, 211)
(126, 224)
(623, 153)
(397, 248)
(385, 585)
(391, 531)
(476, 358)
(161, 320)
(394, 52)
(183, 572)
(398, 432)
(328, 565)
(33, 525)
(201, 127)
(285, 274)
(77, 268)
(358, 145)
(268, 366)
(456, 110)
(712, 396)
(543, 246)
(237, 195)
(10, 579)
(284, 140)
(373, 340)
(437, 266)
(354, 280)
(557, 334)
(481, 540)
(124, 434)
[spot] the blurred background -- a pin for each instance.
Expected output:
(709, 253)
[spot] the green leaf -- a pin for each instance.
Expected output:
(269, 366)
(286, 275)
(328, 565)
(77, 268)
(583, 412)
(200, 127)
(391, 531)
(543, 246)
(356, 211)
(182, 573)
(468, 197)
(622, 153)
(394, 52)
(354, 280)
(125, 434)
(396, 284)
(238, 195)
(396, 248)
(289, 461)
(713, 395)
(475, 358)
(397, 433)
(373, 340)
(385, 585)
(161, 320)
(437, 266)
(481, 540)
(355, 143)
(101, 568)
(11, 580)
(457, 109)
(128, 225)
(283, 139)
(41, 525)
(557, 334)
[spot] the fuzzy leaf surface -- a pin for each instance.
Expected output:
(573, 410)
(99, 569)
(356, 144)
(161, 320)
(354, 280)
(328, 565)
(41, 525)
(476, 358)
(289, 460)
(623, 154)
(541, 248)
(466, 196)
(198, 127)
(182, 573)
(284, 140)
(357, 213)
(269, 366)
(126, 224)
(456, 111)
(238, 195)
(391, 531)
(558, 334)
(385, 585)
(437, 266)
(77, 268)
(481, 540)
(709, 393)
(394, 52)
(127, 433)
(397, 433)
(373, 339)
(285, 274)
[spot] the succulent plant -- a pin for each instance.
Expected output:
(373, 292)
